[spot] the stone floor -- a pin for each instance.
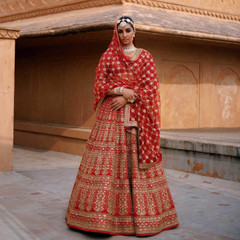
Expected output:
(34, 198)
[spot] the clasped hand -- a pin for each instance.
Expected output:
(120, 101)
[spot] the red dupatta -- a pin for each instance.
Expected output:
(116, 69)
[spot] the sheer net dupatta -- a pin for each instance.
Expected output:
(138, 73)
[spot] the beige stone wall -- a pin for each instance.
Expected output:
(224, 6)
(54, 79)
(7, 63)
(19, 9)
(200, 85)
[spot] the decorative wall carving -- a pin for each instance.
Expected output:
(233, 1)
(180, 95)
(9, 33)
(11, 10)
(227, 96)
(181, 8)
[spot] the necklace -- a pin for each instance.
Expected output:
(127, 49)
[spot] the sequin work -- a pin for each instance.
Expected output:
(111, 194)
(139, 74)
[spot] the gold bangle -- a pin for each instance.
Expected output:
(115, 90)
(118, 90)
(121, 90)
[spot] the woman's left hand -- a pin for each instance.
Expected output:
(118, 102)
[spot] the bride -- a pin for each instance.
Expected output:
(120, 187)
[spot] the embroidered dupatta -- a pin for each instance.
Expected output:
(116, 69)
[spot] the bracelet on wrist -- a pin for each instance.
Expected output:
(121, 90)
(118, 90)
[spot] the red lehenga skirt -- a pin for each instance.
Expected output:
(111, 194)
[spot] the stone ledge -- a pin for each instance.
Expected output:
(198, 145)
(147, 19)
(12, 12)
(180, 140)
(9, 33)
(52, 129)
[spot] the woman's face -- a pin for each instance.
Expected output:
(126, 34)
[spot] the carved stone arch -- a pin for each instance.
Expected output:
(180, 97)
(227, 97)
(180, 65)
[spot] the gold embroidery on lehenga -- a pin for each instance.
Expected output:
(99, 203)
(111, 194)
(151, 204)
(123, 204)
(89, 202)
(111, 204)
(127, 121)
(140, 205)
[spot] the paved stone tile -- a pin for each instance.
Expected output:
(35, 195)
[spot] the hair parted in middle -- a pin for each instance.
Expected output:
(122, 21)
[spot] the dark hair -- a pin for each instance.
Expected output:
(131, 22)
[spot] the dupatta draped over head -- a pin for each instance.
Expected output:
(115, 70)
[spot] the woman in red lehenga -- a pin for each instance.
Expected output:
(120, 188)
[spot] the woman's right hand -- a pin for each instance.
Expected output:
(129, 93)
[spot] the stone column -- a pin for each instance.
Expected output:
(7, 70)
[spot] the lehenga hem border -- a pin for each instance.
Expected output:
(98, 231)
